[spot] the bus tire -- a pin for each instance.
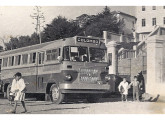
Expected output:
(5, 95)
(55, 94)
(47, 97)
(93, 98)
(8, 91)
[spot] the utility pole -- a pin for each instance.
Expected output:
(40, 19)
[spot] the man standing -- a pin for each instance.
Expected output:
(135, 85)
(123, 89)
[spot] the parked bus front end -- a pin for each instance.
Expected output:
(84, 67)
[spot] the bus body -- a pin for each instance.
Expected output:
(71, 65)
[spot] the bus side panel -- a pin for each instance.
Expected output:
(27, 72)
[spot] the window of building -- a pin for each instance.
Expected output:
(52, 54)
(18, 60)
(164, 20)
(143, 22)
(32, 58)
(153, 7)
(143, 8)
(163, 7)
(5, 61)
(153, 21)
(24, 58)
(11, 61)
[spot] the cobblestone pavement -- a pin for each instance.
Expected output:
(105, 106)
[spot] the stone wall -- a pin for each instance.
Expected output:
(132, 66)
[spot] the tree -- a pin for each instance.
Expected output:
(104, 21)
(22, 41)
(59, 28)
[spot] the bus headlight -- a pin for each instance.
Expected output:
(68, 77)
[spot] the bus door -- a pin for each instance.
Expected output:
(40, 64)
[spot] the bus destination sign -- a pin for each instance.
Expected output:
(87, 40)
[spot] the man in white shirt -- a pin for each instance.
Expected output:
(123, 89)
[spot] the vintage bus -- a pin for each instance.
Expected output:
(75, 65)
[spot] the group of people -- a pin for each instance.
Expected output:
(137, 85)
(17, 92)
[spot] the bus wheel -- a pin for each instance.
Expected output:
(55, 94)
(8, 91)
(93, 98)
(5, 95)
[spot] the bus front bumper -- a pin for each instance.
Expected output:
(84, 88)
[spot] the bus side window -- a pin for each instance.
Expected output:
(66, 53)
(11, 61)
(5, 61)
(41, 57)
(59, 51)
(0, 64)
(51, 54)
(18, 60)
(32, 57)
(24, 58)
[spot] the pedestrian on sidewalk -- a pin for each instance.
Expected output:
(18, 88)
(11, 95)
(136, 86)
(123, 89)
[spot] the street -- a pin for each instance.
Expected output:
(105, 106)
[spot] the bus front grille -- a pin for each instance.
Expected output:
(89, 75)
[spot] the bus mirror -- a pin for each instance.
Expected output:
(59, 58)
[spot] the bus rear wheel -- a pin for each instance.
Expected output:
(55, 94)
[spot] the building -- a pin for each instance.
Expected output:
(148, 17)
(129, 22)
(146, 55)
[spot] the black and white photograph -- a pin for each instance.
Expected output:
(82, 59)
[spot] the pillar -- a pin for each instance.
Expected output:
(112, 54)
(155, 83)
(105, 36)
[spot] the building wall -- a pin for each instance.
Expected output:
(129, 23)
(148, 14)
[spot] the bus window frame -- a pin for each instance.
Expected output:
(12, 61)
(42, 57)
(5, 57)
(78, 53)
(23, 64)
(0, 65)
(31, 62)
(15, 62)
(63, 53)
(47, 61)
(105, 50)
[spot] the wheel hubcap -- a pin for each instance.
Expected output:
(55, 93)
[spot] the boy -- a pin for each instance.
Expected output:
(123, 89)
(18, 87)
(135, 85)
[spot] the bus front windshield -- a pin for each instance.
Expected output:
(81, 54)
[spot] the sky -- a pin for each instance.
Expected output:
(16, 21)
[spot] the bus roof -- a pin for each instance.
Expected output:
(56, 43)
